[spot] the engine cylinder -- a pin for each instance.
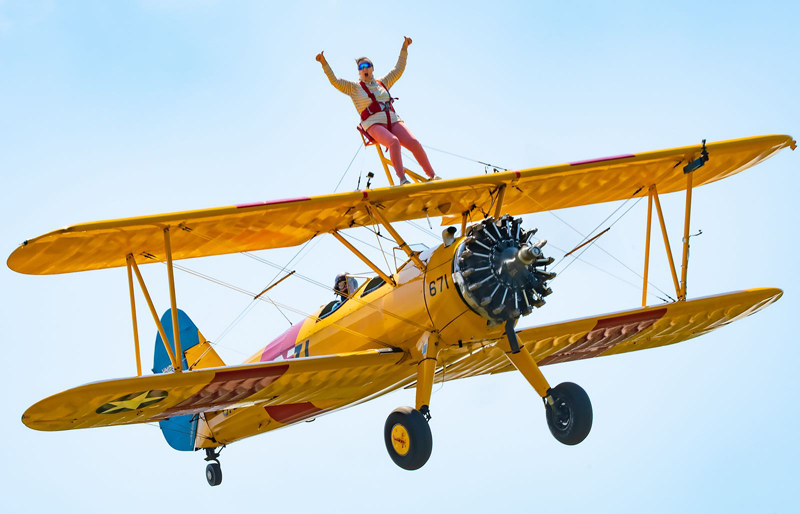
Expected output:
(499, 273)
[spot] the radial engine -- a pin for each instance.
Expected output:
(499, 273)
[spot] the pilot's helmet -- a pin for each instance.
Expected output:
(344, 285)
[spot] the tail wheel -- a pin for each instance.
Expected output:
(570, 416)
(408, 438)
(214, 474)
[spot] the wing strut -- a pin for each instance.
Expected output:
(373, 209)
(685, 259)
(386, 278)
(666, 239)
(652, 197)
(133, 317)
(176, 329)
(159, 326)
(500, 197)
(647, 246)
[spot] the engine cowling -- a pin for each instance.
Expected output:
(499, 273)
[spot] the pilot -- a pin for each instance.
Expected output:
(344, 286)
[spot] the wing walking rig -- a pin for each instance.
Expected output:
(450, 311)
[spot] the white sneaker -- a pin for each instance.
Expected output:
(435, 177)
(404, 182)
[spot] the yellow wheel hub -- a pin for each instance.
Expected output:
(401, 441)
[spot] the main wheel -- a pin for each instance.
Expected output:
(570, 418)
(214, 474)
(408, 438)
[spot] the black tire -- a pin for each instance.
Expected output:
(214, 474)
(571, 421)
(415, 438)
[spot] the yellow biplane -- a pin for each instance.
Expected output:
(447, 312)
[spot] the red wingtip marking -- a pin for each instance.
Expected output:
(226, 388)
(291, 412)
(606, 334)
(365, 193)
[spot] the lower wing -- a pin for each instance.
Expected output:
(627, 331)
(157, 397)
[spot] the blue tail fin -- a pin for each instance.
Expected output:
(181, 431)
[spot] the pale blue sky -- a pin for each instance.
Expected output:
(115, 109)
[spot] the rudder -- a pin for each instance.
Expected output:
(181, 431)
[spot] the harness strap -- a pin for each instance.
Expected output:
(376, 106)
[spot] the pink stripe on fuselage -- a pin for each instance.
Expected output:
(601, 159)
(282, 345)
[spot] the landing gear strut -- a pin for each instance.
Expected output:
(213, 470)
(407, 434)
(567, 406)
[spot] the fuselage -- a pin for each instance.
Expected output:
(463, 294)
(379, 315)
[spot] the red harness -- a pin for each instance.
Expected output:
(376, 106)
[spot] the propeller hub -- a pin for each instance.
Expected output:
(500, 275)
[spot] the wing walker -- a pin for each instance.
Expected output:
(446, 313)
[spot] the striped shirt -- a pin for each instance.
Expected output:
(360, 98)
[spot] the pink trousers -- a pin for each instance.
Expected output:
(400, 136)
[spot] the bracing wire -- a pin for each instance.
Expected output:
(250, 306)
(599, 248)
(590, 244)
(311, 281)
(252, 301)
(465, 158)
(384, 254)
(360, 146)
(588, 263)
(266, 298)
(587, 236)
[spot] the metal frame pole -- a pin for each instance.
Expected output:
(388, 162)
(411, 254)
(386, 278)
(500, 197)
(159, 326)
(666, 242)
(176, 330)
(384, 162)
(687, 216)
(647, 246)
(133, 317)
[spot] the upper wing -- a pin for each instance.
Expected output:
(627, 331)
(282, 223)
(334, 378)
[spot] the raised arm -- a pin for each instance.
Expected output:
(345, 86)
(394, 75)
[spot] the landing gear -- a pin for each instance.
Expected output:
(567, 406)
(408, 438)
(569, 417)
(407, 434)
(213, 470)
